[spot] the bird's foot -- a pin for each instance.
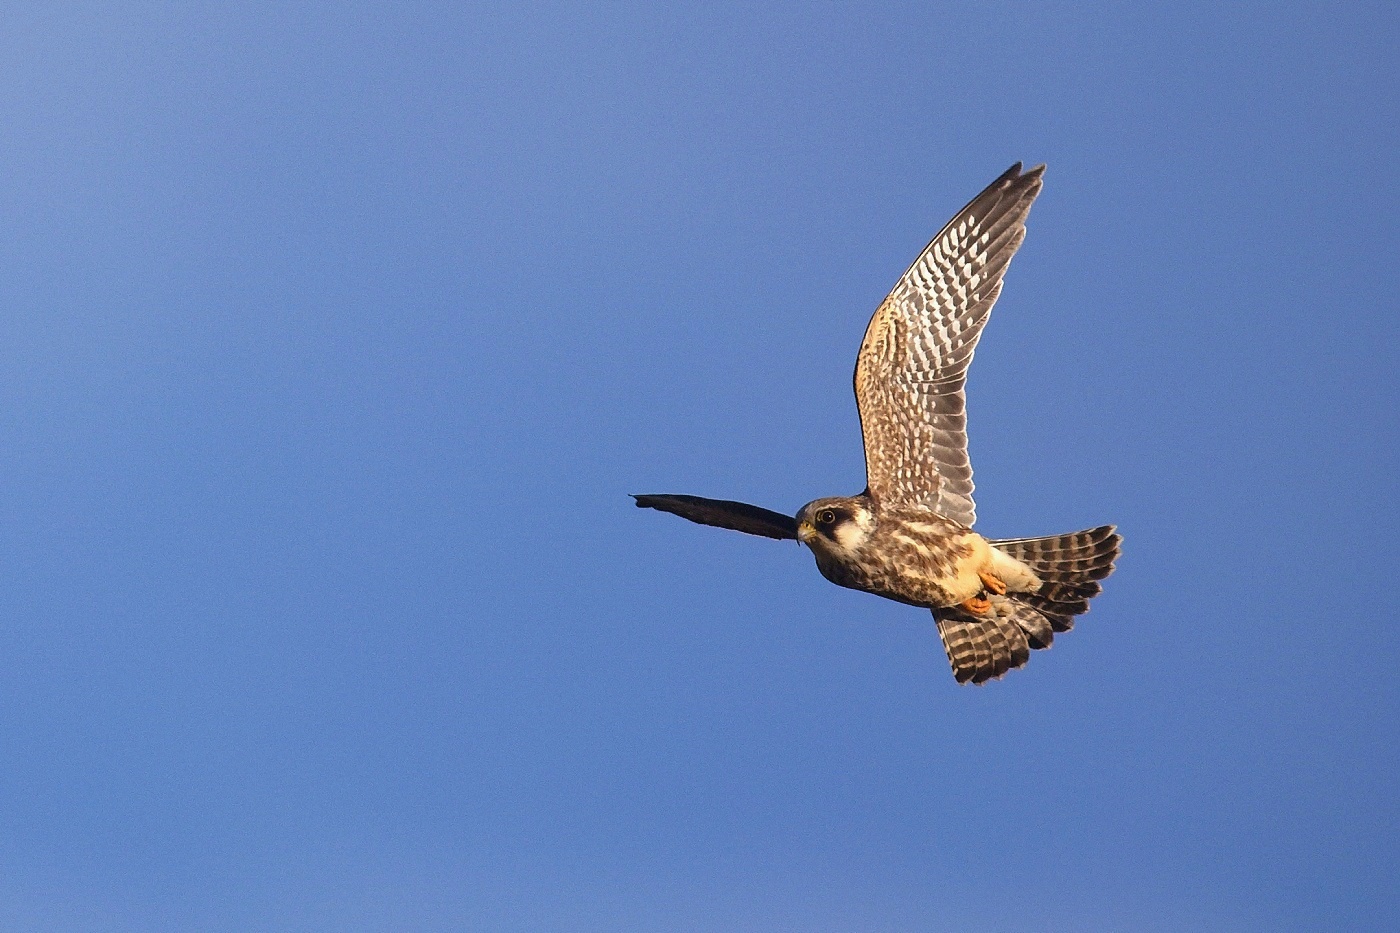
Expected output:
(977, 605)
(992, 583)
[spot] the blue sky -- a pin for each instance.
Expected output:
(335, 337)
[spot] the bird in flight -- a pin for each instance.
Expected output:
(908, 536)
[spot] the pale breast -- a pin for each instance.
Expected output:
(912, 558)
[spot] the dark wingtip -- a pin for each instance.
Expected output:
(723, 513)
(1015, 179)
(1015, 172)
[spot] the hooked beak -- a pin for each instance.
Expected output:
(806, 531)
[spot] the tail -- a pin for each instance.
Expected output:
(985, 647)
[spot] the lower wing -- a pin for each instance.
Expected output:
(722, 513)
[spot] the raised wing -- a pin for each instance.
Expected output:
(722, 513)
(913, 361)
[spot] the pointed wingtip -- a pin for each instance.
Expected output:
(1014, 177)
(723, 513)
(1015, 172)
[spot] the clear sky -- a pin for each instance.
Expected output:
(334, 338)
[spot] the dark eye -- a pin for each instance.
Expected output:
(826, 517)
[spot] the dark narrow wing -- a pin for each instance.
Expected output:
(913, 361)
(722, 513)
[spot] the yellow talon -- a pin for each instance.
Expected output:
(977, 605)
(992, 583)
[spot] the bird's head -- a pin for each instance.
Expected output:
(838, 524)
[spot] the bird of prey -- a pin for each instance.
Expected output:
(908, 536)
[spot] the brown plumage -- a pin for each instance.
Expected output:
(908, 536)
(1069, 567)
(913, 361)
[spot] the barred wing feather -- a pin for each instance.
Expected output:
(913, 361)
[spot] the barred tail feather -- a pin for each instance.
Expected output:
(982, 648)
(1080, 556)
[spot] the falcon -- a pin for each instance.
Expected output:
(908, 536)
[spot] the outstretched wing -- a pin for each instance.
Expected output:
(722, 513)
(913, 361)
